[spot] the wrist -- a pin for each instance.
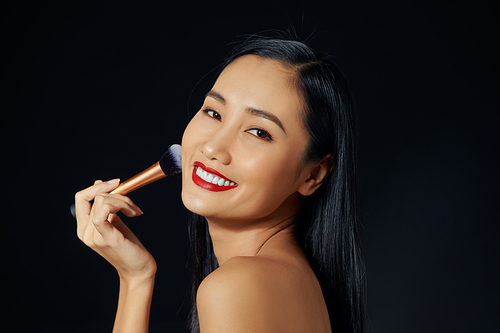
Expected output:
(134, 282)
(140, 275)
(134, 303)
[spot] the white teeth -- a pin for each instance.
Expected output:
(210, 178)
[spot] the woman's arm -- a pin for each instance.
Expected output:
(101, 229)
(134, 304)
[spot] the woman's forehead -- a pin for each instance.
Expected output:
(260, 80)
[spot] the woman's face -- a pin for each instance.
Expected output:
(250, 137)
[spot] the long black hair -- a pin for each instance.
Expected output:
(327, 224)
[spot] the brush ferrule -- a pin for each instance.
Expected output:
(151, 174)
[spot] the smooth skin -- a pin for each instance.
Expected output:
(250, 129)
(264, 282)
(101, 229)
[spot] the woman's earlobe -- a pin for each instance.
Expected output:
(317, 175)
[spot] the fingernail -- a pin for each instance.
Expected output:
(97, 182)
(113, 181)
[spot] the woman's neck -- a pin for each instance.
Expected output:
(234, 242)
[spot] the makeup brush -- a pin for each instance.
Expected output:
(168, 165)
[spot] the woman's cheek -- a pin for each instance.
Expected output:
(187, 131)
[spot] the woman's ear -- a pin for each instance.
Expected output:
(316, 175)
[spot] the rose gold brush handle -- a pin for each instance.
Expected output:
(169, 164)
(151, 174)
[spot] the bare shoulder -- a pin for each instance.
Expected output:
(259, 294)
(240, 279)
(237, 277)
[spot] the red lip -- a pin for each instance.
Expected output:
(206, 185)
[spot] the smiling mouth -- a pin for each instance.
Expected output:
(211, 180)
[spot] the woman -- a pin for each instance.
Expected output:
(268, 169)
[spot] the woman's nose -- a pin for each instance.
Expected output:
(216, 147)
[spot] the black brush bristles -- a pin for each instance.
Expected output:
(170, 162)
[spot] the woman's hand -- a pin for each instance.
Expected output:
(101, 229)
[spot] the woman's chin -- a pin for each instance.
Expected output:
(196, 204)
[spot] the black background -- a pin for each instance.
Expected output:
(100, 90)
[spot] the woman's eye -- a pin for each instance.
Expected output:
(213, 114)
(260, 134)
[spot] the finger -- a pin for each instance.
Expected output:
(89, 229)
(99, 186)
(122, 227)
(104, 209)
(83, 199)
(114, 203)
(105, 235)
(88, 194)
(109, 229)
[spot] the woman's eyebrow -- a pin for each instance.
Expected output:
(216, 96)
(266, 115)
(256, 112)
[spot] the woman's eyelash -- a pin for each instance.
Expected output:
(212, 113)
(260, 133)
